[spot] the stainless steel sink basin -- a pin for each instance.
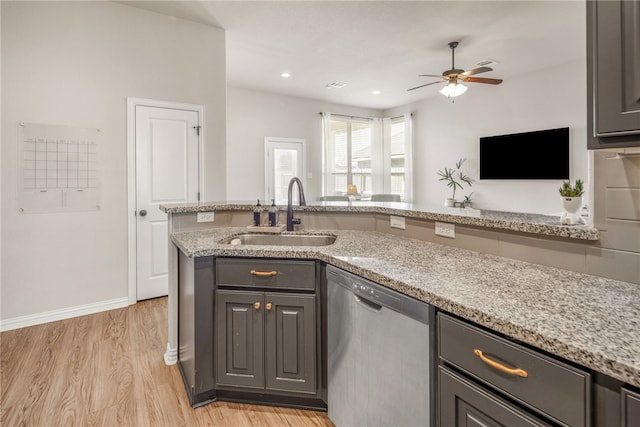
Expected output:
(282, 239)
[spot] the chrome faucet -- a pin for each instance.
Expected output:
(290, 219)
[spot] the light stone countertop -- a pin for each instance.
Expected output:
(548, 225)
(590, 320)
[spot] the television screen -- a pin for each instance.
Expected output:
(542, 154)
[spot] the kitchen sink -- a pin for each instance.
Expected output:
(282, 239)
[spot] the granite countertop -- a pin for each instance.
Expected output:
(548, 225)
(590, 320)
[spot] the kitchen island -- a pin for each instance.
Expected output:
(589, 320)
(586, 319)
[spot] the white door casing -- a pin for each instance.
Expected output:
(165, 145)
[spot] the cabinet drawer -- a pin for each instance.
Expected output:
(265, 273)
(550, 386)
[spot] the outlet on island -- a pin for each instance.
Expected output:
(445, 229)
(204, 217)
(397, 222)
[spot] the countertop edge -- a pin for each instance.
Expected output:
(539, 224)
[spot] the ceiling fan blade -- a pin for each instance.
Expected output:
(483, 80)
(477, 71)
(430, 75)
(418, 87)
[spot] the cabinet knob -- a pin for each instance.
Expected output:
(268, 307)
(256, 305)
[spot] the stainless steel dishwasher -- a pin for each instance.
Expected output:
(380, 353)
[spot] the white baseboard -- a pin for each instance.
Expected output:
(64, 313)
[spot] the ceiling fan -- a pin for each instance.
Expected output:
(455, 76)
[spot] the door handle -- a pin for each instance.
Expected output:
(142, 213)
(256, 305)
(269, 306)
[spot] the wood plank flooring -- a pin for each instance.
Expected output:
(107, 369)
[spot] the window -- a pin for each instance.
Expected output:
(372, 154)
(397, 156)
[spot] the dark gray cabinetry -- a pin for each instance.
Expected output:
(543, 387)
(613, 73)
(465, 404)
(266, 326)
(266, 340)
(630, 408)
(195, 326)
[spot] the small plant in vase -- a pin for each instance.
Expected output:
(454, 179)
(571, 201)
(466, 203)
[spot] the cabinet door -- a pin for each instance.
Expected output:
(239, 338)
(290, 342)
(615, 70)
(630, 408)
(463, 403)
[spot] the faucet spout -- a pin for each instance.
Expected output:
(290, 219)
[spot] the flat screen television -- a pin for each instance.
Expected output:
(542, 154)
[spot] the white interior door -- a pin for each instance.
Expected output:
(167, 155)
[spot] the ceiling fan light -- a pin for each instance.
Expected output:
(453, 89)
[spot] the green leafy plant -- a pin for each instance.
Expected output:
(455, 178)
(568, 190)
(467, 198)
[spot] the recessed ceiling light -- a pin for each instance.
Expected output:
(376, 92)
(335, 85)
(285, 75)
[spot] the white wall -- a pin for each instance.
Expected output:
(74, 64)
(253, 115)
(446, 131)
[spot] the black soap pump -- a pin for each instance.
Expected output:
(257, 214)
(273, 214)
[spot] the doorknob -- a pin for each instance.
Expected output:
(142, 213)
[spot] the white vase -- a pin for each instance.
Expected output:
(449, 203)
(572, 204)
(570, 215)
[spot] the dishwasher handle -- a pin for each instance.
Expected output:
(367, 304)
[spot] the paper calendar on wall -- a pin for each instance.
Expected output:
(59, 168)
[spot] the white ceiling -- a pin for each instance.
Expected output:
(382, 45)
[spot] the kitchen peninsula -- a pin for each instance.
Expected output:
(585, 319)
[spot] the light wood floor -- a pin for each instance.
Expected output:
(107, 369)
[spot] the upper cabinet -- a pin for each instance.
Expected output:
(613, 73)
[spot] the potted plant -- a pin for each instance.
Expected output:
(571, 201)
(454, 179)
(466, 203)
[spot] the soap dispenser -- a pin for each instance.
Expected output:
(257, 214)
(273, 214)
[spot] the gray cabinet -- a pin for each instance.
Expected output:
(195, 326)
(630, 408)
(266, 341)
(549, 389)
(613, 73)
(465, 404)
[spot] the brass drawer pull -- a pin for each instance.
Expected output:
(269, 306)
(263, 273)
(256, 305)
(500, 367)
